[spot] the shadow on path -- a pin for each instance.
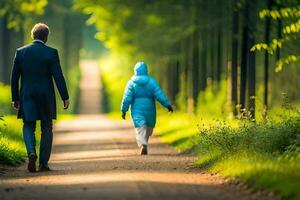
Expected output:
(101, 161)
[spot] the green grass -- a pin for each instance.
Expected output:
(12, 147)
(264, 154)
(5, 100)
(67, 117)
(72, 76)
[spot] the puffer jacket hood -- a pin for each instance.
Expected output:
(140, 74)
(140, 69)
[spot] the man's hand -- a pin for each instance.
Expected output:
(124, 115)
(170, 109)
(66, 104)
(16, 105)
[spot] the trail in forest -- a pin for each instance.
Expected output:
(95, 157)
(90, 88)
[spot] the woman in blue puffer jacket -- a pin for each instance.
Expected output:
(140, 94)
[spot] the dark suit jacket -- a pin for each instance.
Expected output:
(37, 64)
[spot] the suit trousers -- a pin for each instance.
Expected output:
(29, 128)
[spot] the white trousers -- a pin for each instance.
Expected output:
(142, 135)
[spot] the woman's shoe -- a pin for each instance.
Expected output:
(144, 150)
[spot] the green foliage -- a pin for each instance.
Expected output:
(159, 32)
(293, 12)
(254, 149)
(141, 30)
(286, 60)
(118, 21)
(181, 98)
(12, 148)
(290, 32)
(16, 11)
(212, 101)
(292, 28)
(5, 100)
(271, 48)
(73, 78)
(266, 154)
(114, 79)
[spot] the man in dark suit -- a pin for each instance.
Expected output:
(36, 65)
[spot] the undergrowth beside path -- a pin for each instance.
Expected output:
(264, 154)
(12, 147)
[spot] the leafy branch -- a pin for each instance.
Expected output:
(291, 33)
(15, 11)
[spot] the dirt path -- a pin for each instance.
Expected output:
(97, 158)
(90, 87)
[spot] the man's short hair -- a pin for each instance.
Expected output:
(40, 31)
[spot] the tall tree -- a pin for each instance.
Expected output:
(279, 31)
(195, 66)
(5, 52)
(266, 65)
(244, 55)
(203, 68)
(252, 59)
(219, 56)
(234, 58)
(190, 77)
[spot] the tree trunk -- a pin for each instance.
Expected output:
(252, 60)
(266, 65)
(172, 78)
(219, 57)
(251, 79)
(195, 67)
(5, 52)
(234, 62)
(176, 69)
(67, 42)
(176, 79)
(2, 39)
(182, 97)
(279, 36)
(244, 61)
(189, 64)
(212, 56)
(203, 69)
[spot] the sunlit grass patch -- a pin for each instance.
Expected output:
(264, 154)
(116, 115)
(176, 129)
(12, 147)
(280, 175)
(5, 99)
(65, 117)
(11, 152)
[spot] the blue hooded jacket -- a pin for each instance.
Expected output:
(140, 93)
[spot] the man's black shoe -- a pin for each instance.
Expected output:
(44, 168)
(31, 164)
